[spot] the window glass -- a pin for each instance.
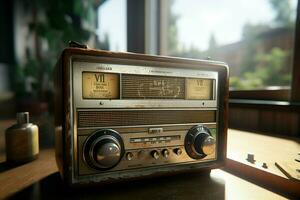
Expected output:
(255, 38)
(112, 31)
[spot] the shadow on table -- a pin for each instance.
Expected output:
(183, 186)
(4, 166)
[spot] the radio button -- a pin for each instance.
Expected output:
(129, 156)
(177, 151)
(155, 154)
(165, 153)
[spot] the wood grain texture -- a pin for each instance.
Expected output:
(260, 119)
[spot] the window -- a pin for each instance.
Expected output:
(112, 32)
(254, 38)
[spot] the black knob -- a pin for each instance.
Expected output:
(199, 142)
(177, 151)
(103, 149)
(155, 154)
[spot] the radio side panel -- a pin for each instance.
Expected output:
(223, 111)
(62, 99)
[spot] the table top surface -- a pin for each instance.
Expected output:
(40, 180)
(266, 149)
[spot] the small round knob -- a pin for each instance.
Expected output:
(165, 153)
(129, 156)
(178, 151)
(199, 142)
(155, 154)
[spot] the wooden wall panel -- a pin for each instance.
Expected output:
(265, 120)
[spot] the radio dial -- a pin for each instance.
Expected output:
(104, 149)
(199, 142)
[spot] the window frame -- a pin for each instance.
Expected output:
(295, 96)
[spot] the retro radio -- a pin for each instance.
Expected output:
(123, 115)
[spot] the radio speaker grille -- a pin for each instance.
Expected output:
(143, 117)
(152, 87)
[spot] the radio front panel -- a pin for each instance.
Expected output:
(104, 85)
(140, 145)
(122, 116)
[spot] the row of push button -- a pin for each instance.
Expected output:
(154, 153)
(154, 139)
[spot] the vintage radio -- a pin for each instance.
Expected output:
(124, 116)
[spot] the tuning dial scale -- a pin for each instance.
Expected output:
(199, 142)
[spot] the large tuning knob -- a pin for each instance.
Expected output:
(103, 149)
(199, 142)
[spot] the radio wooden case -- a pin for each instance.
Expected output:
(122, 116)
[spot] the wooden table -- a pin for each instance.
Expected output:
(269, 149)
(266, 148)
(40, 180)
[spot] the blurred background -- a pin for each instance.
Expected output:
(255, 38)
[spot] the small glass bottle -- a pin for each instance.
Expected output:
(22, 140)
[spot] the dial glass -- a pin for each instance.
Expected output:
(152, 87)
(199, 89)
(97, 85)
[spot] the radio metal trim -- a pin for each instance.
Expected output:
(79, 166)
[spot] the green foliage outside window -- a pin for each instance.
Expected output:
(53, 23)
(267, 72)
(259, 68)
